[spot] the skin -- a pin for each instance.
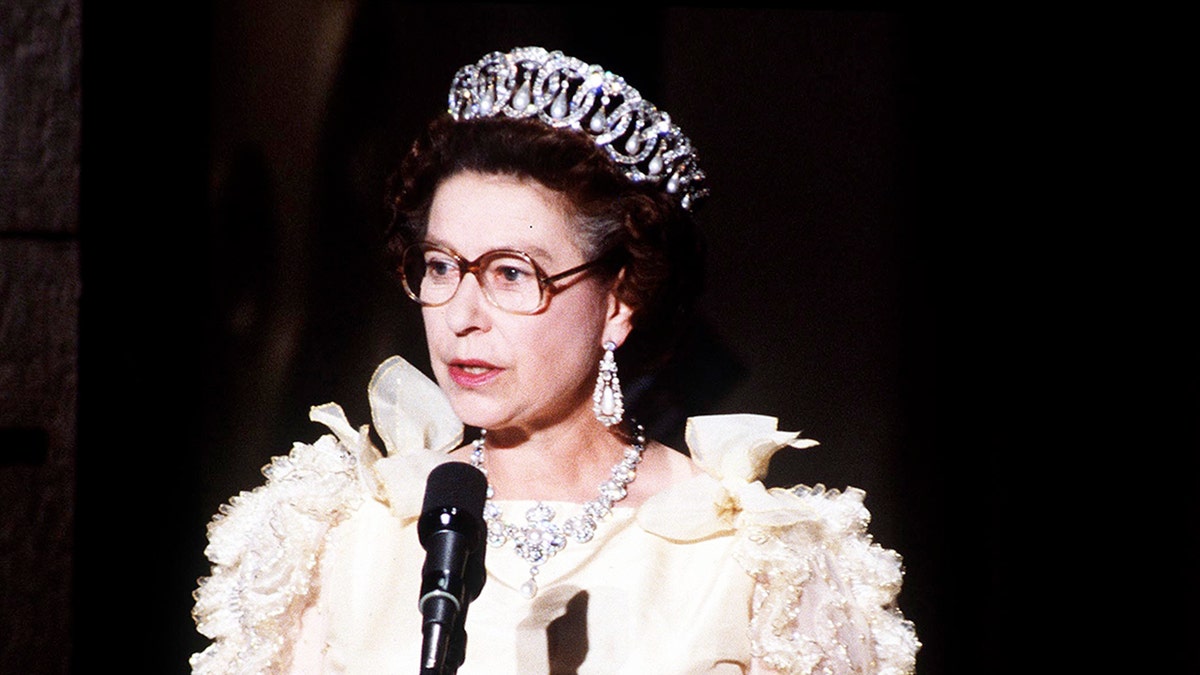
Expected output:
(544, 442)
(528, 379)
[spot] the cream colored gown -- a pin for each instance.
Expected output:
(318, 569)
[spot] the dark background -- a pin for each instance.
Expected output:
(234, 161)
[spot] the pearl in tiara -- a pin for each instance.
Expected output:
(565, 92)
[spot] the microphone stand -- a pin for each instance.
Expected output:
(456, 649)
(447, 650)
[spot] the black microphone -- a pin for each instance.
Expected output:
(452, 532)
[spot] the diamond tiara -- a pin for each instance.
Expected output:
(565, 92)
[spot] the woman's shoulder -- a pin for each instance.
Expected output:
(660, 468)
(264, 546)
(826, 593)
(703, 493)
(820, 580)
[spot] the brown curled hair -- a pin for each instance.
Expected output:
(636, 228)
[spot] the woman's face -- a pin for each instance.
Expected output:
(511, 371)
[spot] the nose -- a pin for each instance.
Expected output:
(469, 309)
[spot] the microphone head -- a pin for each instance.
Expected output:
(451, 530)
(455, 485)
(454, 497)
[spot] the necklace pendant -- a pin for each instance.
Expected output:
(540, 538)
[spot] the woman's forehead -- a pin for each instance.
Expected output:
(475, 213)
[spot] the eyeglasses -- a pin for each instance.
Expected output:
(510, 280)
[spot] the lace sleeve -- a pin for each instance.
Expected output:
(265, 545)
(824, 599)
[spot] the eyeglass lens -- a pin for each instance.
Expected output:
(509, 280)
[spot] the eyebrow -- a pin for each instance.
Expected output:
(538, 253)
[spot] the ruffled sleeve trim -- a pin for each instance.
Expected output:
(825, 594)
(264, 546)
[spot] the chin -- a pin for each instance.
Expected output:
(474, 412)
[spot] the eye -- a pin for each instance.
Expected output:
(512, 274)
(440, 266)
(507, 272)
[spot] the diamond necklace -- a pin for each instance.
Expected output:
(540, 538)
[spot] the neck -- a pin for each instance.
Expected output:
(566, 462)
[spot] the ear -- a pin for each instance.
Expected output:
(619, 317)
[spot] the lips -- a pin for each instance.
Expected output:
(471, 373)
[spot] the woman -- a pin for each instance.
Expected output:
(543, 224)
